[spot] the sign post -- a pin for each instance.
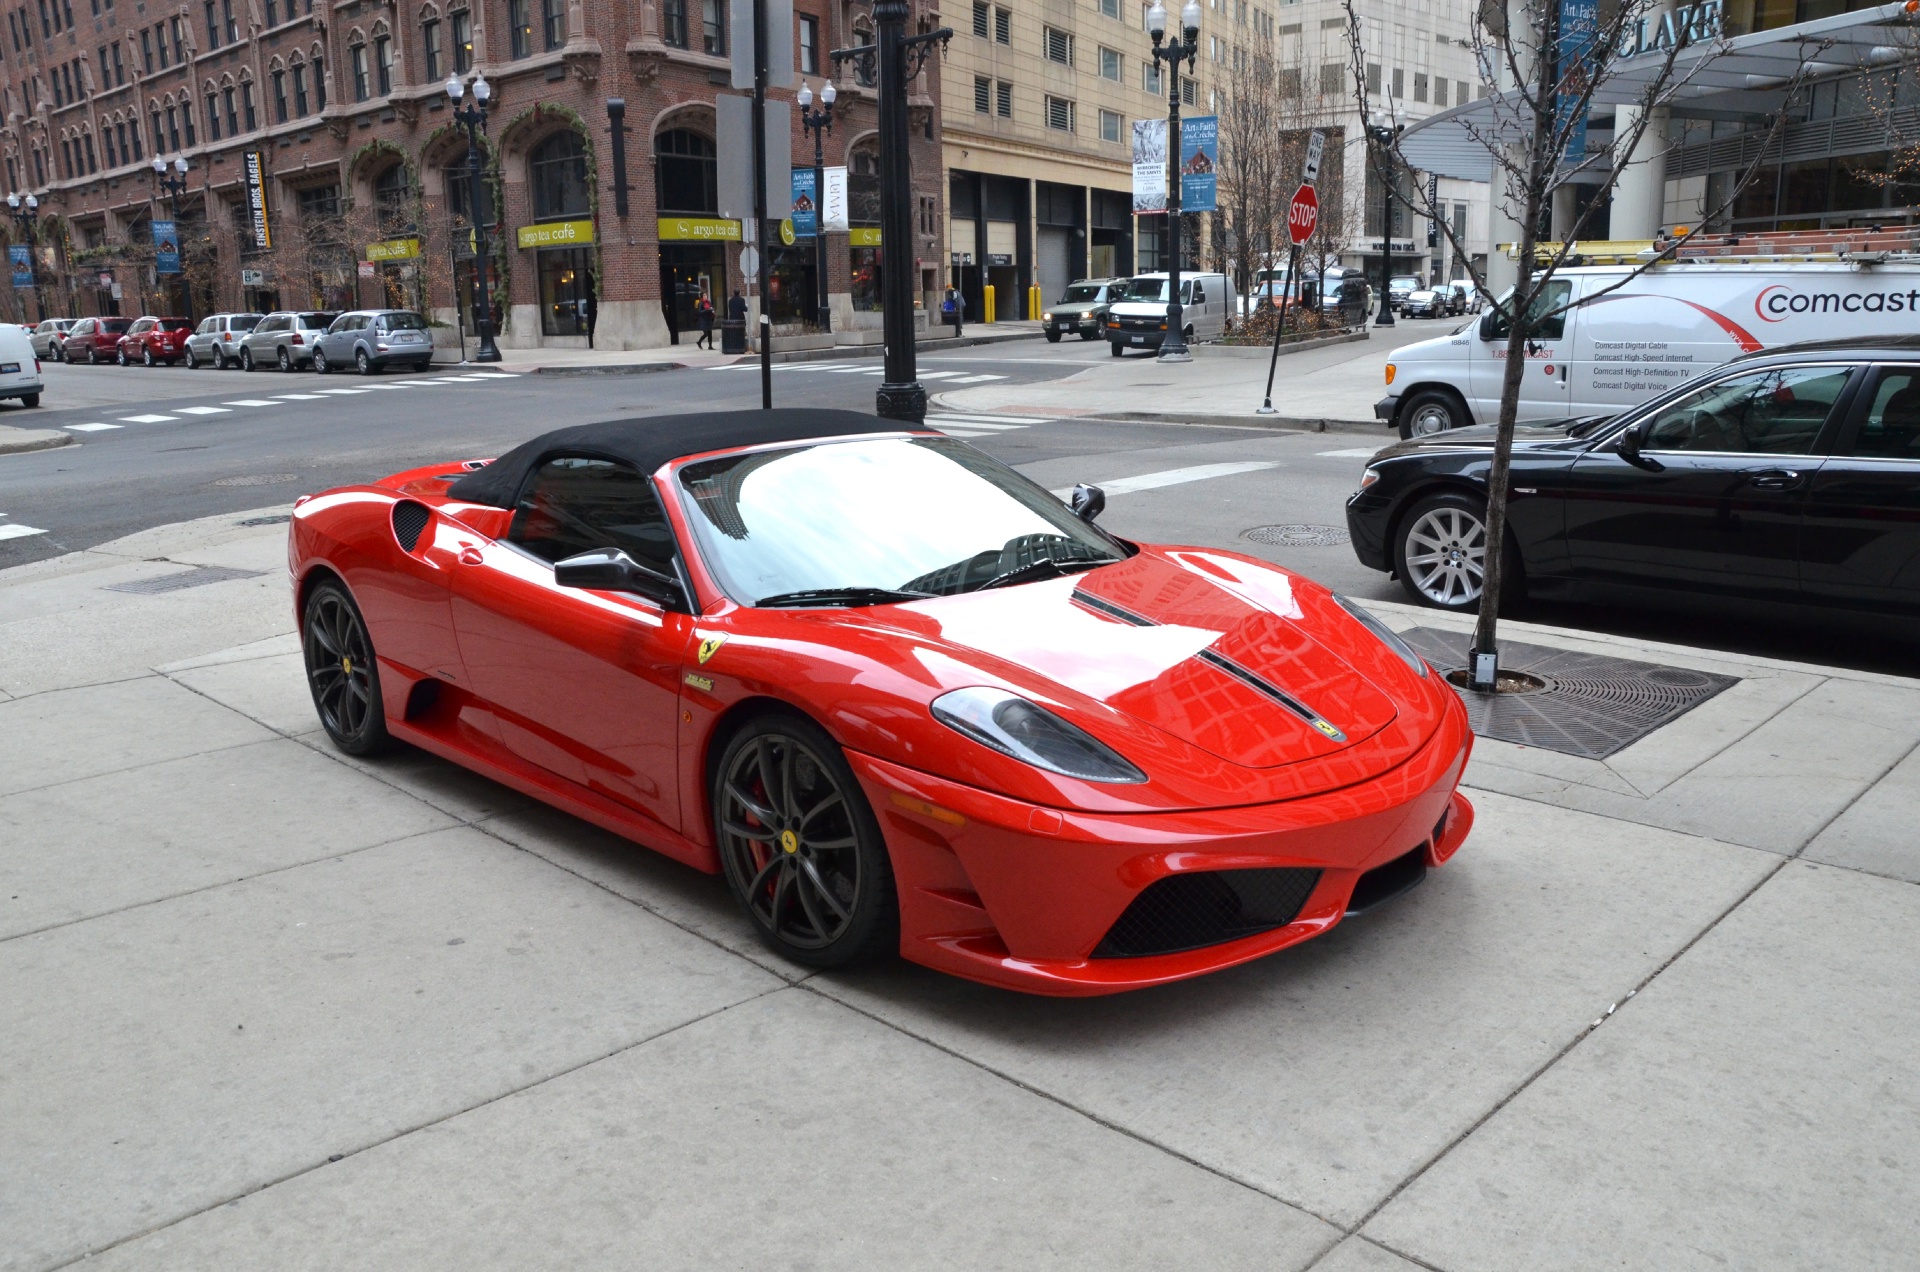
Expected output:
(1303, 216)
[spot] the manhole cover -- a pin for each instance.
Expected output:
(279, 520)
(258, 479)
(198, 576)
(1591, 705)
(1297, 536)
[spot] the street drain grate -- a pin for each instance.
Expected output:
(1297, 536)
(1591, 705)
(279, 520)
(258, 479)
(198, 576)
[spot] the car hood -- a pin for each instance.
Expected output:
(1233, 656)
(1533, 435)
(1139, 308)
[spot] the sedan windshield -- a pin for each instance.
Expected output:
(1081, 292)
(866, 522)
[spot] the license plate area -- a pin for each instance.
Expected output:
(9, 368)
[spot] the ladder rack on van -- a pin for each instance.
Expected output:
(1865, 246)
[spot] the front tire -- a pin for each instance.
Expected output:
(1053, 337)
(120, 356)
(320, 366)
(246, 359)
(800, 846)
(1440, 552)
(1431, 412)
(193, 359)
(341, 671)
(1116, 349)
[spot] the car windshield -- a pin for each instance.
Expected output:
(403, 322)
(1405, 282)
(862, 522)
(1081, 292)
(1151, 290)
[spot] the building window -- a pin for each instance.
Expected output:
(233, 115)
(273, 18)
(1373, 80)
(809, 44)
(673, 23)
(357, 59)
(299, 88)
(173, 129)
(383, 63)
(130, 136)
(1110, 64)
(687, 173)
(462, 23)
(1059, 46)
(146, 47)
(713, 27)
(279, 97)
(1330, 76)
(1399, 83)
(213, 25)
(1151, 80)
(555, 15)
(319, 84)
(159, 132)
(106, 145)
(1110, 8)
(1002, 26)
(179, 28)
(1003, 100)
(213, 116)
(1419, 86)
(1060, 114)
(430, 45)
(119, 67)
(246, 105)
(982, 95)
(1439, 90)
(318, 204)
(981, 18)
(1460, 92)
(93, 165)
(520, 27)
(557, 171)
(1109, 125)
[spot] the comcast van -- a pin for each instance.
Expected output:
(1615, 349)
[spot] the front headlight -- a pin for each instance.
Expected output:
(1369, 477)
(1047, 317)
(1031, 734)
(1388, 637)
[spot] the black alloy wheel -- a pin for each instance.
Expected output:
(286, 361)
(246, 358)
(341, 671)
(800, 846)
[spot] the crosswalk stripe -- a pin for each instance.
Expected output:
(89, 428)
(1352, 452)
(973, 424)
(938, 375)
(251, 402)
(416, 381)
(964, 432)
(343, 392)
(200, 410)
(148, 419)
(1175, 477)
(299, 397)
(994, 419)
(976, 379)
(19, 532)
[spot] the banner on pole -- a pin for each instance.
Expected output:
(1149, 165)
(1199, 163)
(1576, 50)
(22, 265)
(833, 201)
(806, 204)
(166, 248)
(256, 182)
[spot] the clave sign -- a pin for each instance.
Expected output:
(1687, 24)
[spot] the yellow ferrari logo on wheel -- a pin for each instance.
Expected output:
(709, 647)
(789, 841)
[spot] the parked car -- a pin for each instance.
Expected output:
(1462, 297)
(19, 366)
(370, 340)
(94, 340)
(47, 337)
(284, 339)
(1425, 303)
(1083, 308)
(1398, 289)
(152, 340)
(217, 339)
(1140, 320)
(1782, 482)
(1346, 299)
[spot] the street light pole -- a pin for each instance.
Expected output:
(900, 57)
(175, 186)
(474, 119)
(26, 214)
(1173, 347)
(819, 123)
(1382, 137)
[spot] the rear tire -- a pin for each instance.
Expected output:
(341, 671)
(286, 362)
(30, 399)
(801, 849)
(1431, 412)
(219, 358)
(193, 360)
(362, 363)
(146, 357)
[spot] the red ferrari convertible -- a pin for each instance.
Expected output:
(902, 697)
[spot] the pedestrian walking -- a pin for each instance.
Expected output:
(703, 314)
(951, 310)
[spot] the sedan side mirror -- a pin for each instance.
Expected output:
(1629, 445)
(611, 570)
(1088, 502)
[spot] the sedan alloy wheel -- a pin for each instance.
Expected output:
(1443, 554)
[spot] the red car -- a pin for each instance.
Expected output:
(94, 340)
(902, 697)
(152, 340)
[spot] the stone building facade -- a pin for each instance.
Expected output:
(341, 107)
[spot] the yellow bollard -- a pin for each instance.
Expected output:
(986, 303)
(1034, 304)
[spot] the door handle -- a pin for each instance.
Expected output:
(1777, 479)
(470, 555)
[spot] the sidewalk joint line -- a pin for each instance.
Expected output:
(1858, 795)
(1704, 760)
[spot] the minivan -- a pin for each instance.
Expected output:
(1140, 320)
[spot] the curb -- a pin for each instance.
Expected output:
(612, 368)
(18, 441)
(1292, 346)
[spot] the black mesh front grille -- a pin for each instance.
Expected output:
(1383, 883)
(409, 519)
(1206, 907)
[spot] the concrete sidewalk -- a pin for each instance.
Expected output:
(269, 1006)
(669, 357)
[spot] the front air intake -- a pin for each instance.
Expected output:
(1206, 907)
(409, 520)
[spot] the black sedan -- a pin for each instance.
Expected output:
(1784, 479)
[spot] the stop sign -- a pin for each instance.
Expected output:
(1303, 214)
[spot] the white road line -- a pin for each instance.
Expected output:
(416, 382)
(976, 379)
(343, 391)
(994, 419)
(880, 371)
(251, 402)
(979, 425)
(299, 397)
(148, 419)
(381, 386)
(1175, 477)
(847, 370)
(19, 532)
(201, 410)
(964, 432)
(1352, 452)
(938, 375)
(496, 375)
(89, 428)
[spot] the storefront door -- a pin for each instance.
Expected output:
(566, 291)
(687, 271)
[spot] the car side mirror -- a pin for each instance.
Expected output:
(1629, 446)
(611, 570)
(1088, 502)
(1488, 331)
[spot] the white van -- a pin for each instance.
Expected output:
(1618, 348)
(1140, 321)
(19, 367)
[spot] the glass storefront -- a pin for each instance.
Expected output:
(865, 262)
(689, 271)
(791, 285)
(566, 291)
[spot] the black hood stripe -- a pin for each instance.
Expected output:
(1101, 605)
(1220, 662)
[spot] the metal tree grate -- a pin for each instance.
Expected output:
(198, 576)
(1592, 705)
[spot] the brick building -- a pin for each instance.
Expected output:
(364, 171)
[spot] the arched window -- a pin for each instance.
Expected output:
(433, 44)
(393, 199)
(382, 59)
(686, 173)
(298, 72)
(557, 171)
(357, 62)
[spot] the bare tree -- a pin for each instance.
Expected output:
(1246, 102)
(1533, 132)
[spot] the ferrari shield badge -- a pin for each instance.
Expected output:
(709, 647)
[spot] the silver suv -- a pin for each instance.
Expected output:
(284, 339)
(371, 340)
(216, 341)
(46, 338)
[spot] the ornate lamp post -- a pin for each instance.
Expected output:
(25, 215)
(1382, 138)
(174, 186)
(1173, 53)
(900, 57)
(474, 119)
(819, 123)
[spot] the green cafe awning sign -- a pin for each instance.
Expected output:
(557, 234)
(403, 249)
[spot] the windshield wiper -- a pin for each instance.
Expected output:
(825, 596)
(1044, 568)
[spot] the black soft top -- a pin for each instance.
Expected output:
(655, 440)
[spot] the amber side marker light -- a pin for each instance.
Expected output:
(1390, 371)
(925, 809)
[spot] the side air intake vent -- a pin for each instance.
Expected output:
(1205, 907)
(409, 519)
